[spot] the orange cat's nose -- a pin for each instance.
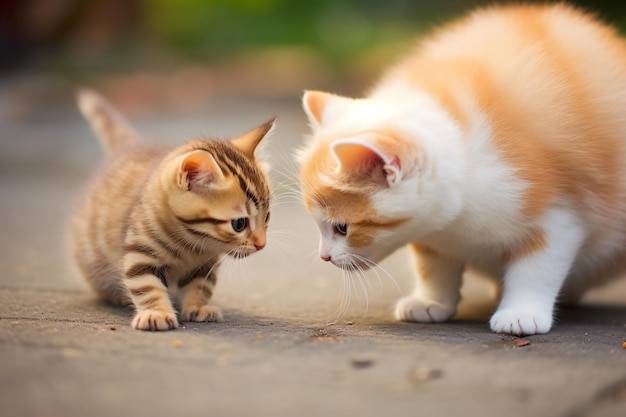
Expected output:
(258, 240)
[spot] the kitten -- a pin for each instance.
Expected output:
(499, 145)
(157, 221)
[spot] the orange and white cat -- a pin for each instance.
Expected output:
(498, 145)
(156, 222)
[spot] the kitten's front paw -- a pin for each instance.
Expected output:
(201, 313)
(154, 320)
(422, 311)
(520, 322)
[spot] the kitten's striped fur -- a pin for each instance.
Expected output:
(498, 145)
(156, 221)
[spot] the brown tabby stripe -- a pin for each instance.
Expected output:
(242, 182)
(202, 272)
(252, 176)
(197, 234)
(143, 269)
(151, 302)
(243, 168)
(192, 245)
(143, 290)
(204, 235)
(202, 220)
(152, 234)
(251, 196)
(172, 230)
(143, 249)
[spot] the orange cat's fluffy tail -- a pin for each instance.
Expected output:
(107, 122)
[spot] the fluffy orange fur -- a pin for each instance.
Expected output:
(537, 100)
(499, 145)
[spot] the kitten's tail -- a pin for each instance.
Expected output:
(114, 131)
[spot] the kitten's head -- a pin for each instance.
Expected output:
(363, 181)
(219, 192)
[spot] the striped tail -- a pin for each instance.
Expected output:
(114, 131)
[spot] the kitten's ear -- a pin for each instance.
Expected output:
(198, 170)
(361, 156)
(322, 108)
(249, 141)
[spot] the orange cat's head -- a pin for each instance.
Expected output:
(212, 195)
(370, 187)
(218, 189)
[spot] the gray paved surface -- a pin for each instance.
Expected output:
(63, 354)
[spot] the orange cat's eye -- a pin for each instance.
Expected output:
(341, 228)
(239, 224)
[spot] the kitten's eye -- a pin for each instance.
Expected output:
(341, 228)
(239, 224)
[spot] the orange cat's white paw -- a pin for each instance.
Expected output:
(201, 313)
(520, 322)
(423, 311)
(154, 320)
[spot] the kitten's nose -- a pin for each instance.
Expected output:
(258, 239)
(325, 258)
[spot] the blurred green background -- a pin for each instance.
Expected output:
(270, 47)
(88, 35)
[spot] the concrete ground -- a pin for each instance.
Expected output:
(285, 348)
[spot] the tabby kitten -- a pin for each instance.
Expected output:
(498, 145)
(157, 221)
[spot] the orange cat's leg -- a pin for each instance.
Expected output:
(195, 294)
(148, 291)
(437, 291)
(533, 280)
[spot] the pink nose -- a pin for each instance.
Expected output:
(325, 258)
(259, 247)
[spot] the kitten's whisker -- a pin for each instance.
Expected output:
(347, 291)
(217, 263)
(291, 167)
(376, 268)
(286, 183)
(373, 267)
(362, 279)
(360, 270)
(353, 284)
(229, 262)
(287, 200)
(345, 298)
(289, 193)
(286, 188)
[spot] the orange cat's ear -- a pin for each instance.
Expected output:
(361, 156)
(321, 107)
(198, 170)
(249, 141)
